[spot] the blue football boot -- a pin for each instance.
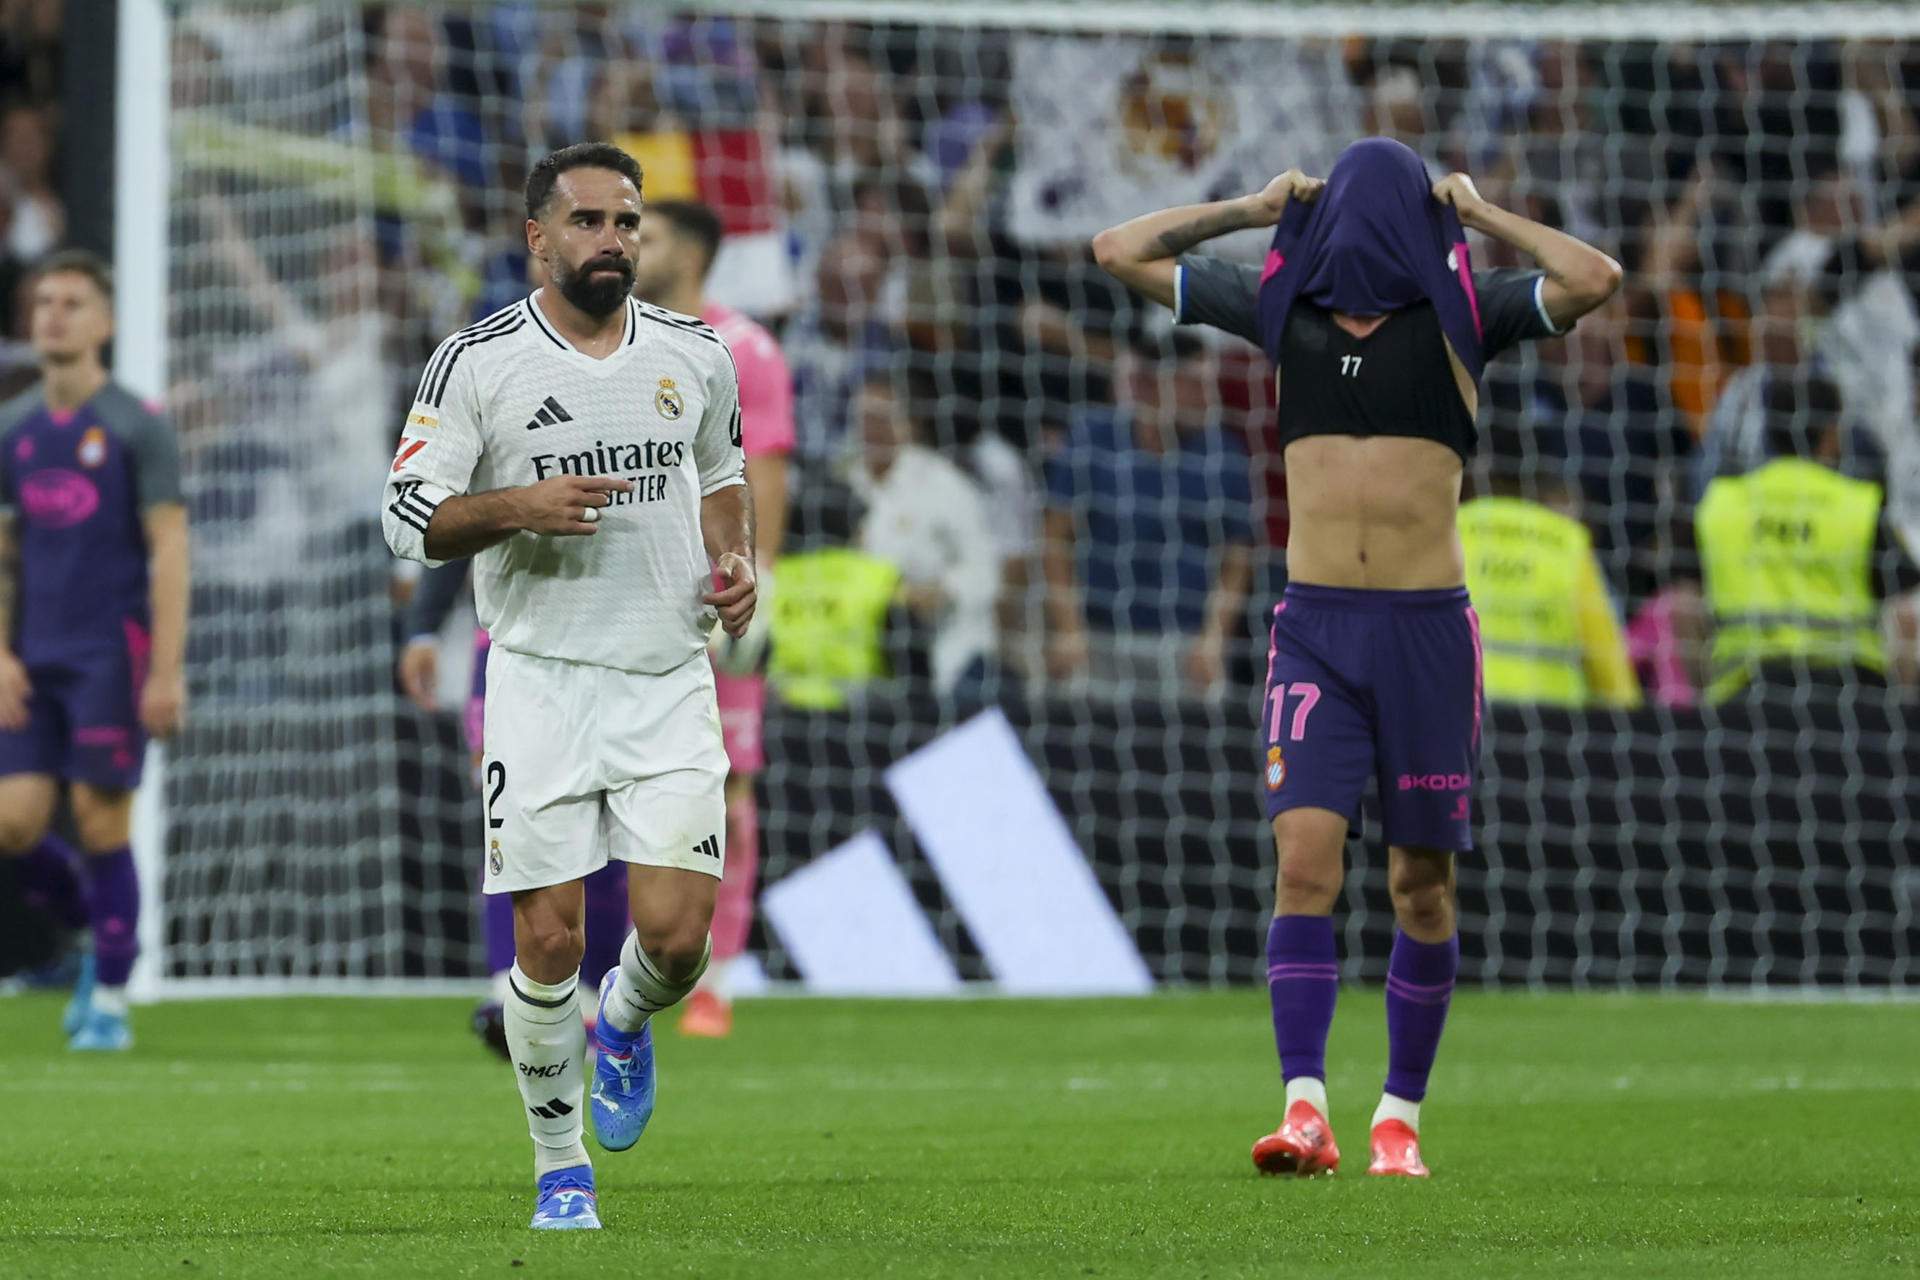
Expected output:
(567, 1201)
(81, 1002)
(102, 1032)
(623, 1079)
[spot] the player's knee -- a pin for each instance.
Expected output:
(553, 945)
(19, 832)
(1309, 882)
(101, 831)
(1422, 905)
(677, 950)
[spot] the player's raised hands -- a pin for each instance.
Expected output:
(567, 506)
(734, 601)
(1457, 189)
(1271, 202)
(15, 689)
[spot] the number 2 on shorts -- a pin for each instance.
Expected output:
(1309, 695)
(497, 775)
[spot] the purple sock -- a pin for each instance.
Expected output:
(496, 922)
(50, 880)
(1419, 987)
(114, 898)
(1303, 977)
(606, 921)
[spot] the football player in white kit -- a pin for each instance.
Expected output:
(585, 449)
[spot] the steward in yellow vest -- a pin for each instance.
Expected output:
(829, 625)
(1796, 559)
(1548, 632)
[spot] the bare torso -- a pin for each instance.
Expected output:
(1376, 512)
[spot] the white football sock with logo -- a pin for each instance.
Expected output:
(548, 1043)
(642, 990)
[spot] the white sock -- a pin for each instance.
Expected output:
(1392, 1108)
(641, 990)
(111, 1000)
(548, 1043)
(1311, 1088)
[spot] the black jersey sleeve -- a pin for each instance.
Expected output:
(1511, 309)
(1219, 293)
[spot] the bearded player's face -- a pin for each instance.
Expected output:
(588, 237)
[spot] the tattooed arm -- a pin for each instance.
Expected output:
(1141, 253)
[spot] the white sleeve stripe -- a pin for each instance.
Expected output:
(412, 503)
(1179, 293)
(707, 491)
(1540, 305)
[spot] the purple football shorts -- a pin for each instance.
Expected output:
(84, 722)
(1381, 687)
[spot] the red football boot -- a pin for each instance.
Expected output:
(707, 1015)
(1302, 1145)
(1396, 1151)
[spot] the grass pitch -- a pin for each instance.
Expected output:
(1570, 1136)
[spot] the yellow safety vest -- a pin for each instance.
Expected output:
(829, 625)
(1524, 572)
(1787, 553)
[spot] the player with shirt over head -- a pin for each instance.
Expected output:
(679, 240)
(584, 447)
(93, 623)
(1377, 328)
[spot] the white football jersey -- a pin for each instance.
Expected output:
(509, 402)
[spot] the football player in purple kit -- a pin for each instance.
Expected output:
(1377, 328)
(93, 617)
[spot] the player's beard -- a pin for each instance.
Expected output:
(598, 293)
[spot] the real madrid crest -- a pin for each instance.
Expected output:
(668, 401)
(93, 447)
(494, 859)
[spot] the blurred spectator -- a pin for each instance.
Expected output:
(1548, 629)
(925, 516)
(1788, 314)
(1148, 535)
(1798, 559)
(30, 49)
(409, 100)
(38, 218)
(1607, 423)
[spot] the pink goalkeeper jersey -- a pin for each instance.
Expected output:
(766, 388)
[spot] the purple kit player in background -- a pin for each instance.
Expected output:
(93, 612)
(606, 889)
(1378, 329)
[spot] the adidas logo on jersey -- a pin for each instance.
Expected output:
(548, 414)
(710, 847)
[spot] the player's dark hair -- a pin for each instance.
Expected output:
(79, 262)
(581, 155)
(696, 222)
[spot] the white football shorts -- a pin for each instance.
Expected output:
(585, 763)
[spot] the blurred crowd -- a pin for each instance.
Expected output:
(1098, 484)
(33, 218)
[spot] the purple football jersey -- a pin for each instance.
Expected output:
(76, 484)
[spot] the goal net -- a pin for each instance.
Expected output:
(908, 195)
